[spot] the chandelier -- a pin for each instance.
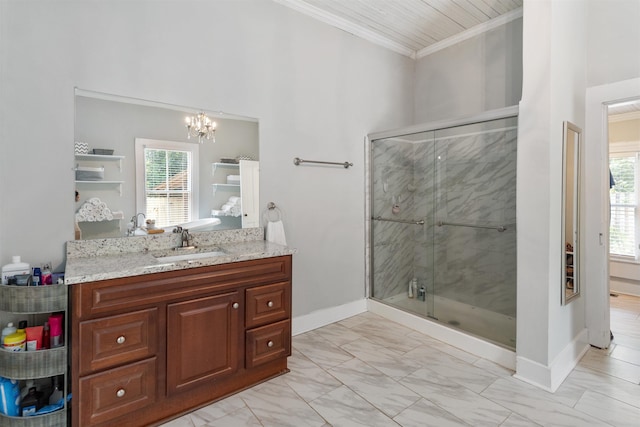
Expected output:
(202, 127)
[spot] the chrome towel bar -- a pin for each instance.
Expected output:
(298, 161)
(379, 218)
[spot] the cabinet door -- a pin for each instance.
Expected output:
(249, 191)
(202, 341)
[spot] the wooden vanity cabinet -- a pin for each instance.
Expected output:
(149, 348)
(202, 338)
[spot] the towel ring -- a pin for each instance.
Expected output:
(272, 208)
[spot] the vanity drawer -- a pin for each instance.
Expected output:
(268, 343)
(115, 340)
(117, 392)
(267, 304)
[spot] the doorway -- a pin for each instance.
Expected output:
(596, 225)
(624, 228)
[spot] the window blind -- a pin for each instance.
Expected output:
(168, 186)
(624, 205)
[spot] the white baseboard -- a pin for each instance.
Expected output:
(468, 343)
(551, 377)
(320, 318)
(626, 288)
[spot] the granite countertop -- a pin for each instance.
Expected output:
(88, 261)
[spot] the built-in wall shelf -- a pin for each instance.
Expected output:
(225, 187)
(116, 183)
(101, 157)
(216, 165)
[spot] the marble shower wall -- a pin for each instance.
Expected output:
(469, 179)
(392, 183)
(476, 184)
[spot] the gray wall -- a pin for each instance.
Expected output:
(613, 41)
(316, 91)
(479, 74)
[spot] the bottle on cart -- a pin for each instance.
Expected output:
(8, 330)
(16, 267)
(25, 390)
(46, 336)
(55, 325)
(31, 402)
(37, 276)
(57, 393)
(17, 341)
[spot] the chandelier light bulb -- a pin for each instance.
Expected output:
(201, 126)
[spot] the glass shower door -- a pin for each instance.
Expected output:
(474, 229)
(402, 194)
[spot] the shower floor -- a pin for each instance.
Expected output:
(495, 327)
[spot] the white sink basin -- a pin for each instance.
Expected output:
(190, 256)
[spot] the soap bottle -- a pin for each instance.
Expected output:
(16, 267)
(8, 330)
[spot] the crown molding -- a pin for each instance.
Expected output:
(347, 26)
(360, 31)
(146, 103)
(471, 32)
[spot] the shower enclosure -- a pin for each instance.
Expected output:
(442, 235)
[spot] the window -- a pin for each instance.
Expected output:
(166, 184)
(623, 228)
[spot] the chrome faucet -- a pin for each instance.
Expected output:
(185, 238)
(134, 221)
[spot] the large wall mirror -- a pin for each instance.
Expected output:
(572, 136)
(110, 178)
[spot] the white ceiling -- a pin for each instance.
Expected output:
(625, 110)
(411, 27)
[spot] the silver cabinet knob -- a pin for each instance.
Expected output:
(121, 339)
(270, 304)
(235, 305)
(270, 344)
(120, 392)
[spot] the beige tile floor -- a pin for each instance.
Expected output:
(369, 371)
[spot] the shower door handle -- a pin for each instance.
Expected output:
(402, 221)
(499, 228)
